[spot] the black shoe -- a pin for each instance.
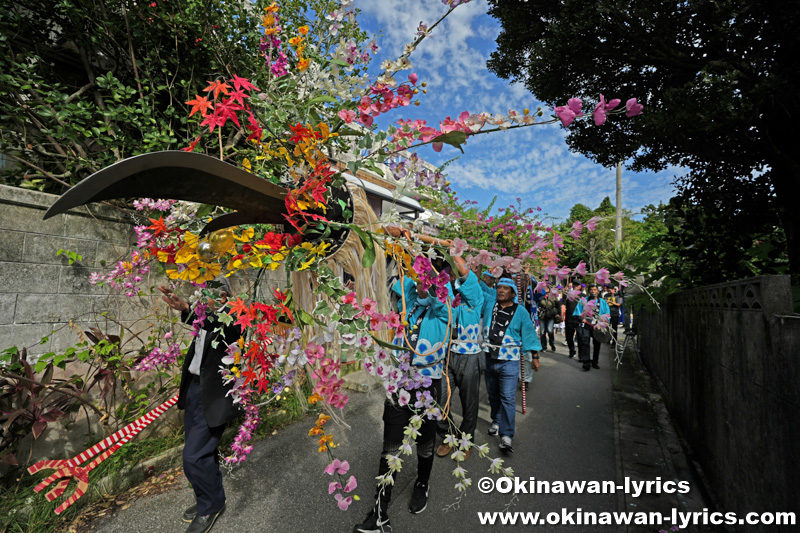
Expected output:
(419, 498)
(571, 355)
(189, 514)
(586, 367)
(595, 365)
(374, 523)
(493, 430)
(552, 348)
(202, 524)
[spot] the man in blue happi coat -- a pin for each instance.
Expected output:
(464, 364)
(588, 321)
(508, 334)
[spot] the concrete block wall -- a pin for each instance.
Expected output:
(39, 291)
(42, 295)
(728, 357)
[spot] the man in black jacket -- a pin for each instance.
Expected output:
(208, 411)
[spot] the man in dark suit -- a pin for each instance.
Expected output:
(208, 409)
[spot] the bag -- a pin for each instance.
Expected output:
(558, 318)
(547, 312)
(602, 335)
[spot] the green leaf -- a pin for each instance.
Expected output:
(323, 98)
(453, 138)
(305, 318)
(323, 308)
(369, 247)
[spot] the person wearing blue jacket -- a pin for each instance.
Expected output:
(464, 363)
(508, 334)
(426, 337)
(585, 327)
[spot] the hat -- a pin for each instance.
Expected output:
(508, 282)
(488, 273)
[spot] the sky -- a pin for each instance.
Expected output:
(532, 163)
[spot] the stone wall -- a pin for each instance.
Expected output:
(728, 357)
(41, 295)
(40, 292)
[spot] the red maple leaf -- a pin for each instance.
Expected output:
(227, 110)
(243, 83)
(212, 121)
(238, 95)
(217, 87)
(200, 103)
(238, 306)
(158, 226)
(254, 127)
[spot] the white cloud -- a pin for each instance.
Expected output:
(532, 163)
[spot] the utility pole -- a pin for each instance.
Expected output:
(618, 228)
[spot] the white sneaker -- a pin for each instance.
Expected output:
(505, 443)
(493, 429)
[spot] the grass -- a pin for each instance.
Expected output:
(24, 511)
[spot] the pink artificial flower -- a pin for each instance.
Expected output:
(573, 294)
(634, 108)
(344, 503)
(599, 112)
(351, 484)
(542, 285)
(393, 319)
(412, 78)
(601, 276)
(333, 486)
(581, 269)
(568, 113)
(347, 115)
(591, 224)
(459, 245)
(620, 278)
(558, 242)
(349, 298)
(338, 467)
(366, 120)
(368, 306)
(562, 274)
(577, 226)
(565, 115)
(612, 104)
(314, 351)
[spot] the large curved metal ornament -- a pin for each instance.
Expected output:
(193, 177)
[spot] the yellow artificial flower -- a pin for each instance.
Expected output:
(303, 30)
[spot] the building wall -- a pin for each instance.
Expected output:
(728, 357)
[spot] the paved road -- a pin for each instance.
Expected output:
(567, 434)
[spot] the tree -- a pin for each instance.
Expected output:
(85, 83)
(721, 85)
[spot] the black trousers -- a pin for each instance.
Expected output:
(614, 324)
(584, 338)
(462, 372)
(395, 419)
(200, 457)
(569, 330)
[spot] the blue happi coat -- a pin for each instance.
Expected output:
(602, 307)
(468, 315)
(433, 332)
(520, 336)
